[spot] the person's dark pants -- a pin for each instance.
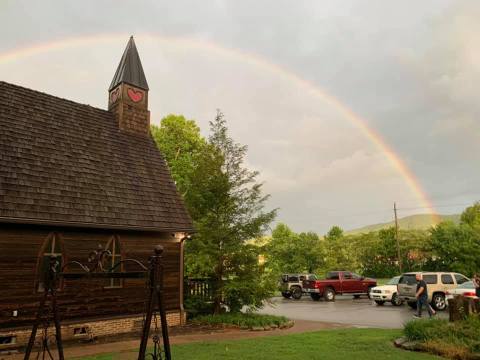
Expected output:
(421, 302)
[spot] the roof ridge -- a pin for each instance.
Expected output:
(53, 96)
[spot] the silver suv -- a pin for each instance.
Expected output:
(291, 285)
(438, 283)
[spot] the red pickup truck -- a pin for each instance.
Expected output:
(338, 282)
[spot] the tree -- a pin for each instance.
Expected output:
(471, 215)
(288, 252)
(455, 248)
(228, 208)
(182, 145)
(340, 250)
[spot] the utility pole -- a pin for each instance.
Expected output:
(396, 237)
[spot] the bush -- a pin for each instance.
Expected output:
(241, 320)
(196, 305)
(452, 339)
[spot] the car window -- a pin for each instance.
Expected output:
(302, 277)
(356, 276)
(332, 275)
(312, 277)
(293, 279)
(394, 280)
(408, 279)
(447, 279)
(461, 279)
(467, 285)
(430, 279)
(347, 275)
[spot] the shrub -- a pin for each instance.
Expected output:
(452, 339)
(196, 305)
(241, 320)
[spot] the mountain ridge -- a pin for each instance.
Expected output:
(411, 222)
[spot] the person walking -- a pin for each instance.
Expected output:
(476, 283)
(422, 297)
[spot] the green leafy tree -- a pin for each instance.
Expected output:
(289, 252)
(228, 208)
(455, 248)
(471, 215)
(340, 251)
(182, 145)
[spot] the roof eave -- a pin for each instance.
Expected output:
(75, 224)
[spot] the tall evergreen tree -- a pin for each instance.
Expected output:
(228, 210)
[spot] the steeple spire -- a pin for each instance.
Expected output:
(128, 93)
(130, 70)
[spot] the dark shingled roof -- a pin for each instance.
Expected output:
(69, 164)
(130, 69)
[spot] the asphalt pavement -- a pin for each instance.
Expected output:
(345, 310)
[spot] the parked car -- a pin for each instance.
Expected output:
(387, 293)
(467, 289)
(438, 283)
(291, 285)
(339, 283)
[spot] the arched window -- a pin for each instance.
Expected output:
(51, 247)
(113, 246)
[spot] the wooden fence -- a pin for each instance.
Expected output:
(200, 288)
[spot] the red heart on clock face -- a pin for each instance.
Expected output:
(114, 95)
(135, 96)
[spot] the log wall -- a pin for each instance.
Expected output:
(21, 246)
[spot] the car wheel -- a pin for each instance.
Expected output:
(412, 304)
(315, 297)
(329, 294)
(369, 291)
(356, 296)
(439, 302)
(380, 302)
(396, 301)
(296, 293)
(286, 294)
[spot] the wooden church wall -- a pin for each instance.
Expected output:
(20, 248)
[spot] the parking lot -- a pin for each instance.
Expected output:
(345, 310)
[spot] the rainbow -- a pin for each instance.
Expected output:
(254, 60)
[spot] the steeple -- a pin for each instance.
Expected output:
(128, 93)
(130, 70)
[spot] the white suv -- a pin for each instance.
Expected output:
(387, 293)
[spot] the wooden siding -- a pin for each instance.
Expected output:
(19, 251)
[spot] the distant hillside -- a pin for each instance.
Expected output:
(412, 222)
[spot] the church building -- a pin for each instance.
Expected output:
(74, 178)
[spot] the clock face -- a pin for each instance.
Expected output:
(114, 95)
(135, 95)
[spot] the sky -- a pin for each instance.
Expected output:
(409, 69)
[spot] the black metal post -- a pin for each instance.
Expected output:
(155, 291)
(33, 334)
(161, 306)
(50, 284)
(148, 320)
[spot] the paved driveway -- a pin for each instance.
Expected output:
(345, 310)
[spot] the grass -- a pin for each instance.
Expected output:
(241, 320)
(456, 340)
(326, 345)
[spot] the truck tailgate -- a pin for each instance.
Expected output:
(308, 284)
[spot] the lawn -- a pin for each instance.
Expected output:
(325, 345)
